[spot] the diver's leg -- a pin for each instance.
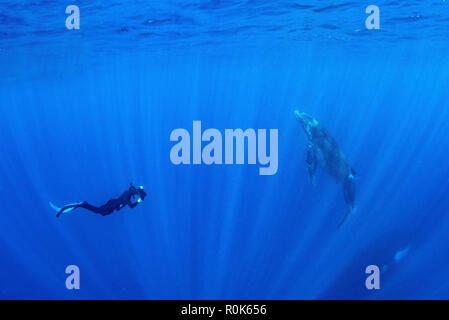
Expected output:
(105, 209)
(90, 207)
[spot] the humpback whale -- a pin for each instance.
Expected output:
(323, 151)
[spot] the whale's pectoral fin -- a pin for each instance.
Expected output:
(312, 163)
(347, 213)
(349, 190)
(349, 193)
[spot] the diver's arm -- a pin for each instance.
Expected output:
(132, 194)
(132, 205)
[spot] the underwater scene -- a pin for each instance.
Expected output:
(224, 149)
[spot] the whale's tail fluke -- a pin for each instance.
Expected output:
(66, 209)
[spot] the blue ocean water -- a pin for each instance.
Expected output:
(85, 112)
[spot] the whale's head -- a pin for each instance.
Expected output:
(307, 122)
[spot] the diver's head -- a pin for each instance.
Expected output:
(142, 194)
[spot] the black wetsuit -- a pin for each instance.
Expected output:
(111, 205)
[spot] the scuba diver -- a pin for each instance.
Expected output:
(126, 198)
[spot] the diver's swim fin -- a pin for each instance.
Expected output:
(54, 207)
(65, 209)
